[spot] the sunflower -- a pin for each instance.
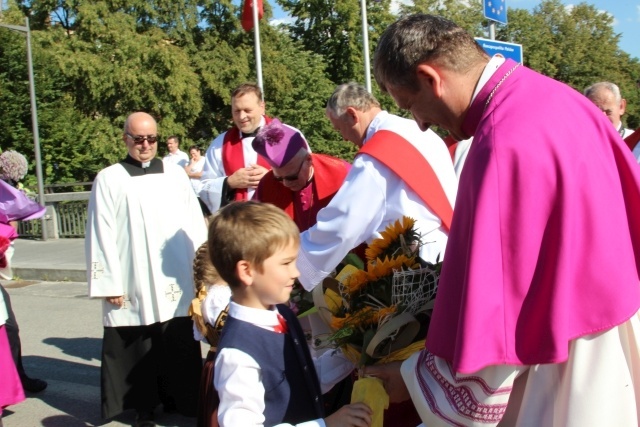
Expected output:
(356, 281)
(396, 236)
(367, 291)
(357, 320)
(383, 268)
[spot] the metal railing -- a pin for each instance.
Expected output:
(66, 217)
(72, 218)
(30, 228)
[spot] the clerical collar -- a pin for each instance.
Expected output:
(250, 135)
(255, 132)
(621, 130)
(136, 168)
(489, 70)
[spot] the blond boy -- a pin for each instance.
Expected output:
(264, 373)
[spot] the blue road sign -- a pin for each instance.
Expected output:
(495, 10)
(508, 50)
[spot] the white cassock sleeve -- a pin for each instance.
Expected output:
(213, 175)
(101, 251)
(332, 367)
(352, 217)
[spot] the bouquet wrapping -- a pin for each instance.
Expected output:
(379, 313)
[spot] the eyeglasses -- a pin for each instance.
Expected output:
(290, 177)
(139, 139)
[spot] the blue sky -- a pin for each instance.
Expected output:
(626, 15)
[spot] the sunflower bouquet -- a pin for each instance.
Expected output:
(379, 313)
(376, 312)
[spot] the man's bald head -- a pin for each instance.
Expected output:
(140, 136)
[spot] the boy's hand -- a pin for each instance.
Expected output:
(354, 415)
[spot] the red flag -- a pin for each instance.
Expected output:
(247, 14)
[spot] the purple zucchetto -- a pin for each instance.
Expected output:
(278, 143)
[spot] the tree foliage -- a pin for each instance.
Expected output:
(97, 61)
(467, 14)
(575, 45)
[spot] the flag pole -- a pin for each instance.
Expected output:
(365, 45)
(256, 33)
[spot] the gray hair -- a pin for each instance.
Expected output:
(350, 95)
(419, 38)
(591, 91)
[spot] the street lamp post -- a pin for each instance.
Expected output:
(365, 45)
(34, 115)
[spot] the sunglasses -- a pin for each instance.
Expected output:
(290, 177)
(139, 139)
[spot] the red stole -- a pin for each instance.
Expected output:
(633, 139)
(329, 173)
(409, 165)
(233, 156)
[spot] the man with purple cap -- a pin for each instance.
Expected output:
(300, 183)
(536, 320)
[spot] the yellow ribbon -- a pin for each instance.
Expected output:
(370, 391)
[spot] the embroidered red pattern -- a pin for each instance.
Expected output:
(460, 397)
(479, 381)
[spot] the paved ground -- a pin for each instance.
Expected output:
(59, 260)
(61, 334)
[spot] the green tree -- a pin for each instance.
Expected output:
(467, 13)
(575, 45)
(100, 67)
(298, 89)
(296, 83)
(97, 61)
(334, 30)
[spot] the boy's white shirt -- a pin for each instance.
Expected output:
(238, 379)
(218, 297)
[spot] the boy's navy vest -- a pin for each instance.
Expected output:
(292, 391)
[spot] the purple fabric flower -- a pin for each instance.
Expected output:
(272, 133)
(278, 143)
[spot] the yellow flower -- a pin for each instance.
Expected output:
(389, 236)
(358, 319)
(366, 293)
(356, 281)
(383, 268)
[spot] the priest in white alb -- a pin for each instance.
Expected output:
(398, 170)
(143, 228)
